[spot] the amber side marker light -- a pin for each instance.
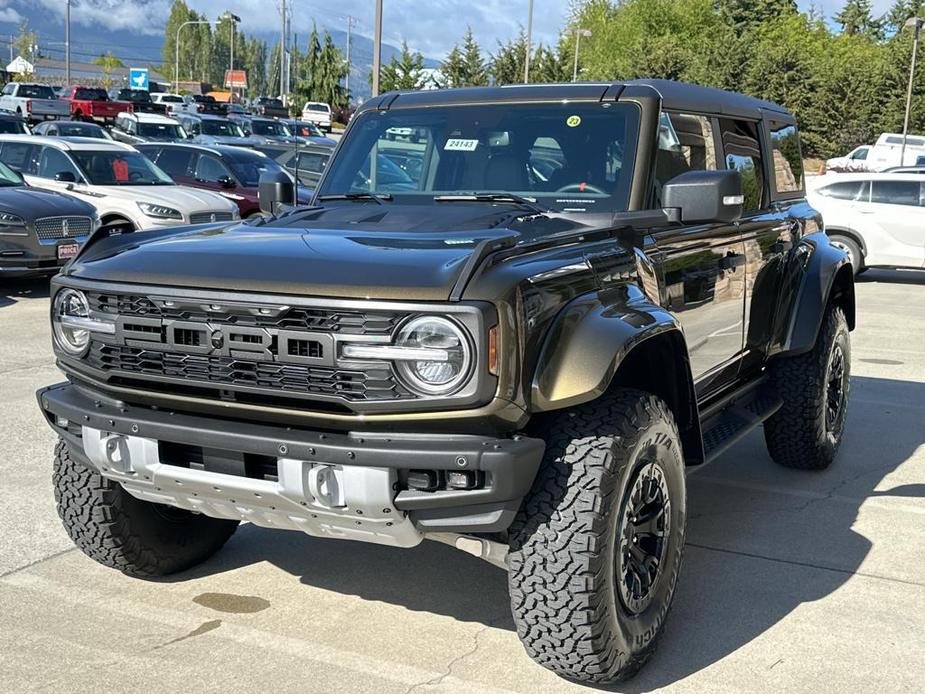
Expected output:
(493, 351)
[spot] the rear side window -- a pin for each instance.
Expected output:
(18, 156)
(847, 190)
(742, 151)
(685, 143)
(787, 159)
(897, 193)
(175, 162)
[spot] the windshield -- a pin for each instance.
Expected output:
(304, 129)
(90, 94)
(171, 99)
(12, 127)
(8, 177)
(223, 128)
(161, 131)
(134, 95)
(36, 91)
(119, 168)
(82, 130)
(316, 107)
(270, 128)
(247, 168)
(566, 156)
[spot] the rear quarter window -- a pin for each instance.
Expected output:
(787, 159)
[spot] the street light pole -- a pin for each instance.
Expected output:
(916, 23)
(67, 43)
(234, 19)
(529, 43)
(377, 47)
(578, 34)
(176, 73)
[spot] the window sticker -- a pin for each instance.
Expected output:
(573, 121)
(456, 144)
(120, 169)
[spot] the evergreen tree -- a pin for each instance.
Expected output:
(463, 65)
(402, 72)
(855, 18)
(506, 64)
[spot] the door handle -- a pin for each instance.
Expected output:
(731, 261)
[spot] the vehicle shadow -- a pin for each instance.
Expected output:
(12, 290)
(762, 540)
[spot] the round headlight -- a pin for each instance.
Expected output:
(70, 303)
(452, 355)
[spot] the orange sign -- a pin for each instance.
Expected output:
(236, 79)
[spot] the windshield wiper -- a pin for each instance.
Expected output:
(376, 197)
(491, 197)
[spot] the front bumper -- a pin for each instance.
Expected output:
(128, 444)
(25, 255)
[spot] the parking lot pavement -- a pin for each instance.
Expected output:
(792, 581)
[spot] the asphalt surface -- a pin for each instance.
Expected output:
(793, 581)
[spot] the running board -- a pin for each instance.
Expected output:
(736, 419)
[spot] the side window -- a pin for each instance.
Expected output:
(787, 159)
(210, 169)
(860, 154)
(175, 162)
(18, 156)
(53, 161)
(896, 193)
(856, 191)
(685, 143)
(743, 153)
(8, 89)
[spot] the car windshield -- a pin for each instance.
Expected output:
(12, 127)
(90, 94)
(171, 99)
(574, 157)
(270, 128)
(247, 167)
(119, 168)
(134, 95)
(305, 129)
(224, 128)
(316, 107)
(81, 130)
(161, 131)
(8, 177)
(36, 91)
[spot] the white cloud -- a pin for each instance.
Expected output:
(8, 14)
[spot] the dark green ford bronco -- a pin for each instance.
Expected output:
(510, 321)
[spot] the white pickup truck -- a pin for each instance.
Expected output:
(175, 103)
(34, 102)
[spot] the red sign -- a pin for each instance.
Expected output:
(236, 79)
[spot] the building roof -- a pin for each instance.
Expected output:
(53, 70)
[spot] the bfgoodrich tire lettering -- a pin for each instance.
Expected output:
(565, 561)
(136, 537)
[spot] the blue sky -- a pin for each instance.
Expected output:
(430, 26)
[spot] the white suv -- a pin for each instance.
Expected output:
(878, 219)
(128, 191)
(319, 113)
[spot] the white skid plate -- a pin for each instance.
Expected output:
(346, 502)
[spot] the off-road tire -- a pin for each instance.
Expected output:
(798, 434)
(565, 599)
(136, 537)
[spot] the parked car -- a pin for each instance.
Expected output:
(94, 104)
(34, 102)
(128, 191)
(207, 104)
(269, 107)
(206, 129)
(525, 372)
(141, 101)
(133, 128)
(877, 219)
(11, 124)
(175, 103)
(889, 152)
(71, 128)
(855, 160)
(307, 132)
(307, 163)
(265, 130)
(232, 172)
(319, 113)
(40, 230)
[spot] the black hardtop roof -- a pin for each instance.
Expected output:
(675, 96)
(230, 151)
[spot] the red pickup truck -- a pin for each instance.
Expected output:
(93, 103)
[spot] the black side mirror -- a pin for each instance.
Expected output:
(66, 177)
(226, 182)
(275, 188)
(705, 196)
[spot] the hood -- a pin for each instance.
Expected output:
(33, 203)
(353, 251)
(186, 200)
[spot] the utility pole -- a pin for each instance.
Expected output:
(350, 21)
(529, 43)
(67, 43)
(377, 47)
(916, 23)
(578, 34)
(282, 54)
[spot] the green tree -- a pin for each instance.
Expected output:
(855, 18)
(464, 65)
(25, 41)
(403, 72)
(108, 62)
(506, 64)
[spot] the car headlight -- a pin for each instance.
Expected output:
(438, 355)
(70, 313)
(159, 211)
(12, 224)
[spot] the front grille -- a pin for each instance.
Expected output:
(371, 384)
(50, 229)
(206, 217)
